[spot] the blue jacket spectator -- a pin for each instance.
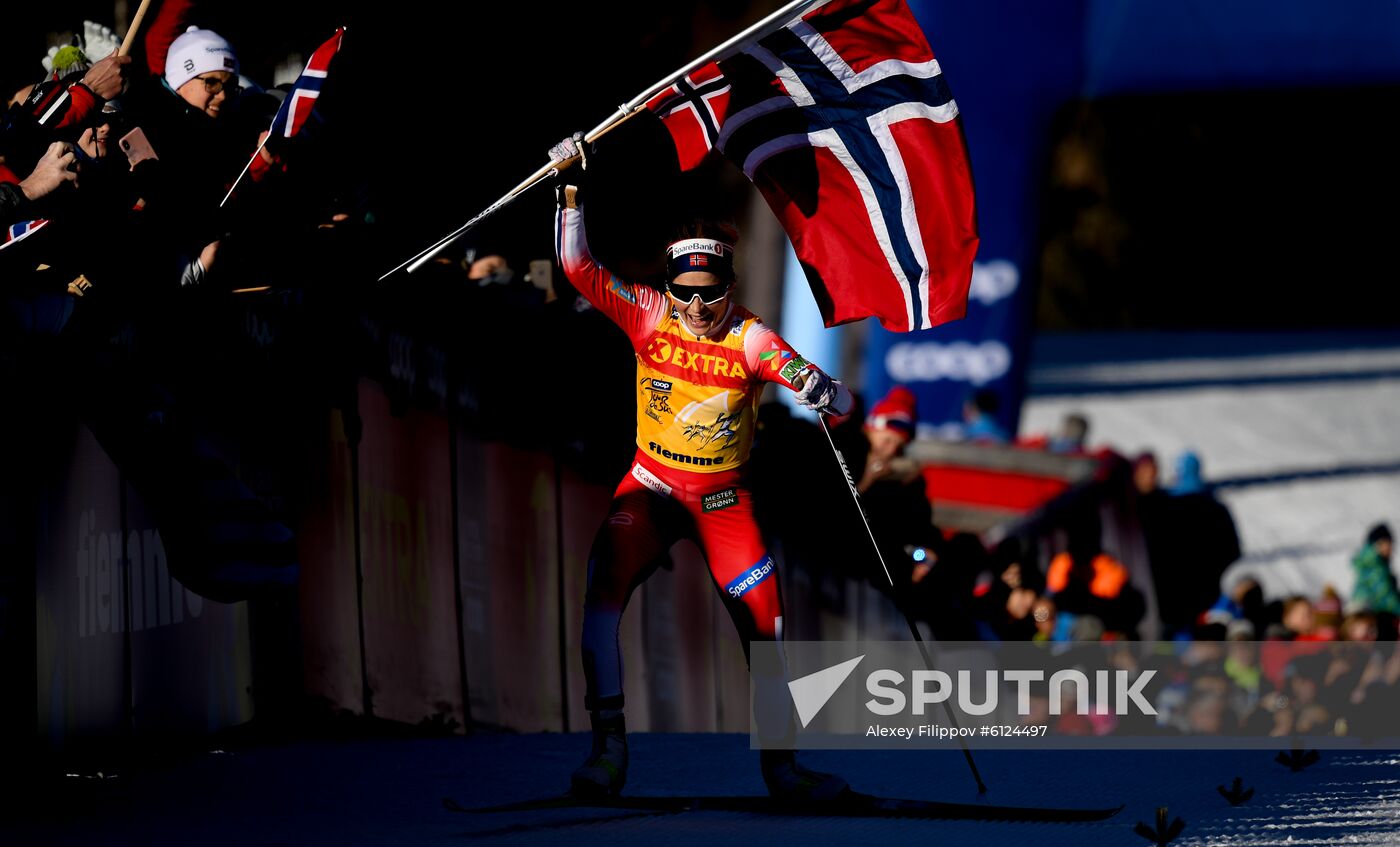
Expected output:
(980, 413)
(1188, 475)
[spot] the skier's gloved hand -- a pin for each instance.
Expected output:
(568, 191)
(821, 393)
(565, 152)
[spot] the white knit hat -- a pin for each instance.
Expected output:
(198, 51)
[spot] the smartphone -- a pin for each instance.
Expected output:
(136, 147)
(541, 274)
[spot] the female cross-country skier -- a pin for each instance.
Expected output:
(702, 361)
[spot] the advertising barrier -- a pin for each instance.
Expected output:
(410, 619)
(121, 645)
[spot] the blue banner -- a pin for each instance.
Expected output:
(1011, 65)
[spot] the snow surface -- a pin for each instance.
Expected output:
(390, 793)
(1305, 467)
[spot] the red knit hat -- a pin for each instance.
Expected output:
(896, 410)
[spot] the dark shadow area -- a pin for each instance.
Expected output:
(1242, 210)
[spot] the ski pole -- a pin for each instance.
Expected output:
(918, 638)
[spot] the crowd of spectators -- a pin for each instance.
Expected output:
(114, 170)
(1229, 660)
(125, 255)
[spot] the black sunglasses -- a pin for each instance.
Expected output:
(213, 85)
(708, 294)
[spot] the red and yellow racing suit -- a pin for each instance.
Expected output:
(696, 401)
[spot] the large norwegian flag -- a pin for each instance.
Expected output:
(301, 102)
(844, 122)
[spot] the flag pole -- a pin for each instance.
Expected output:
(261, 144)
(775, 21)
(625, 112)
(131, 30)
(244, 172)
(545, 172)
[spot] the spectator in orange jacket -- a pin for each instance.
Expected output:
(1084, 580)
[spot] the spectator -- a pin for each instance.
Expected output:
(1188, 475)
(202, 140)
(1073, 434)
(1244, 601)
(58, 167)
(1007, 559)
(1191, 540)
(1328, 613)
(59, 106)
(1301, 619)
(1242, 667)
(932, 575)
(1146, 476)
(1013, 621)
(1375, 584)
(97, 140)
(37, 300)
(490, 270)
(501, 287)
(1240, 629)
(980, 414)
(63, 64)
(202, 69)
(1084, 580)
(1007, 602)
(945, 596)
(889, 428)
(1358, 626)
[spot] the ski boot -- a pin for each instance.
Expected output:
(788, 781)
(604, 772)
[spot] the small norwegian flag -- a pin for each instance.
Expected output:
(301, 103)
(15, 233)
